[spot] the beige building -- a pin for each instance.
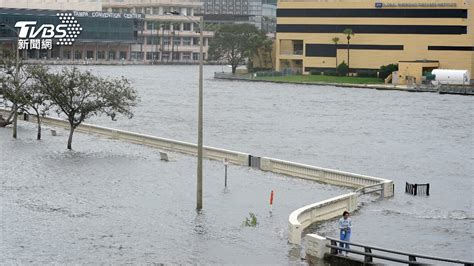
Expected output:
(421, 35)
(164, 38)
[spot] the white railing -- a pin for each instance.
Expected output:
(319, 174)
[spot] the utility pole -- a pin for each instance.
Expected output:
(200, 111)
(200, 107)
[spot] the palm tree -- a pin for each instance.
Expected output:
(349, 33)
(335, 40)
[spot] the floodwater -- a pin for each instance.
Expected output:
(406, 137)
(110, 202)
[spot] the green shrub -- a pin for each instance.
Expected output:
(315, 72)
(250, 221)
(343, 69)
(367, 73)
(385, 71)
(331, 73)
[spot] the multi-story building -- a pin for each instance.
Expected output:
(422, 34)
(232, 11)
(164, 37)
(269, 17)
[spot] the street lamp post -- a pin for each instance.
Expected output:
(17, 69)
(200, 107)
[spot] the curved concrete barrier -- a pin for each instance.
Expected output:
(317, 212)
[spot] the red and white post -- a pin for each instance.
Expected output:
(271, 201)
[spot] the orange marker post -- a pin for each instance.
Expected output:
(271, 201)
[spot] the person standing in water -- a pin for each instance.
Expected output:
(345, 226)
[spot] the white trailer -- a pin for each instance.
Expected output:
(451, 76)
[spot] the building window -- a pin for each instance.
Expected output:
(186, 26)
(152, 40)
(100, 54)
(177, 41)
(189, 11)
(123, 55)
(195, 56)
(195, 41)
(112, 55)
(89, 54)
(186, 41)
(166, 40)
(136, 55)
(165, 56)
(166, 26)
(67, 54)
(176, 26)
(175, 56)
(156, 11)
(77, 54)
(186, 56)
(148, 10)
(149, 25)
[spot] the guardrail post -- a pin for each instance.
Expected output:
(333, 250)
(368, 258)
(415, 188)
(411, 258)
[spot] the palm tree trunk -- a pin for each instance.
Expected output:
(348, 57)
(336, 59)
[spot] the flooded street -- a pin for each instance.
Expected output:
(110, 202)
(113, 202)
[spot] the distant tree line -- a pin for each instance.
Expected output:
(71, 93)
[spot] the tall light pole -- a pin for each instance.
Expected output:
(200, 107)
(17, 69)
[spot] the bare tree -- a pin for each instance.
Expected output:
(81, 95)
(13, 77)
(34, 97)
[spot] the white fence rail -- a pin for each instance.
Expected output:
(319, 174)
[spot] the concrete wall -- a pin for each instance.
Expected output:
(317, 212)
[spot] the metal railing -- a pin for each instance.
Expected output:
(369, 256)
(417, 189)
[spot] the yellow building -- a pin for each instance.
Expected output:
(418, 35)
